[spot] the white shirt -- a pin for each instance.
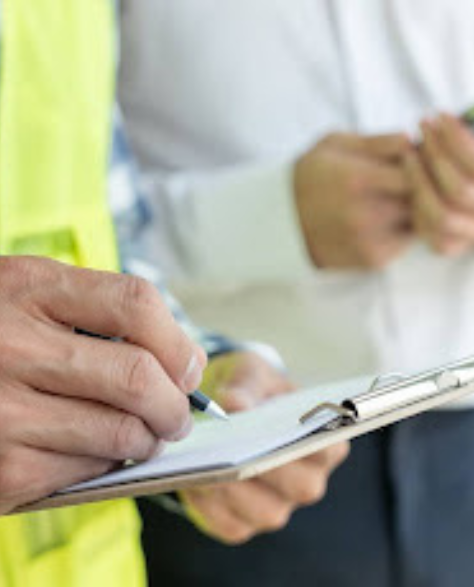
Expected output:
(222, 95)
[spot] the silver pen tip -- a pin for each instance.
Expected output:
(215, 410)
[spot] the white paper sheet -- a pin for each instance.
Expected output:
(214, 444)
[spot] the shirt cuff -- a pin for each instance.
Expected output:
(247, 227)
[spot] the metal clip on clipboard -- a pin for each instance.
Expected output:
(391, 392)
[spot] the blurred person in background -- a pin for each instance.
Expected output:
(277, 136)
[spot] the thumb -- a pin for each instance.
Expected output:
(239, 399)
(251, 387)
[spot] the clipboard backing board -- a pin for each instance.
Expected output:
(300, 449)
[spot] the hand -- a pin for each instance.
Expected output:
(71, 406)
(352, 198)
(442, 179)
(235, 512)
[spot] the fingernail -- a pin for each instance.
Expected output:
(185, 430)
(192, 376)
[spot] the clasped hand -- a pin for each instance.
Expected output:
(361, 200)
(441, 175)
(235, 512)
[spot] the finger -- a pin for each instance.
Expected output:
(385, 147)
(300, 483)
(389, 146)
(332, 457)
(459, 141)
(120, 306)
(455, 234)
(390, 180)
(28, 475)
(451, 181)
(117, 374)
(80, 428)
(427, 205)
(457, 225)
(258, 505)
(211, 515)
(252, 382)
(377, 178)
(445, 229)
(387, 214)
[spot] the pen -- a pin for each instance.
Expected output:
(203, 404)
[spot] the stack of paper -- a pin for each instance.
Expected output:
(214, 444)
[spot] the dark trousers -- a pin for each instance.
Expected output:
(399, 513)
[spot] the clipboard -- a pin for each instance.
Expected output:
(389, 399)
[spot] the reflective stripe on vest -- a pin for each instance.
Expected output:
(55, 112)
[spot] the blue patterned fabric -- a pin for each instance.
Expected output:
(133, 221)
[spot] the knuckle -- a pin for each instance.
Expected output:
(138, 294)
(236, 535)
(313, 491)
(141, 375)
(128, 437)
(278, 519)
(341, 452)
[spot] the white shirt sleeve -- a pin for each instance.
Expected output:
(237, 226)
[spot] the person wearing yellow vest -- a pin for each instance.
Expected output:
(72, 407)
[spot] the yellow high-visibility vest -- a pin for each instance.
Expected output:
(56, 95)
